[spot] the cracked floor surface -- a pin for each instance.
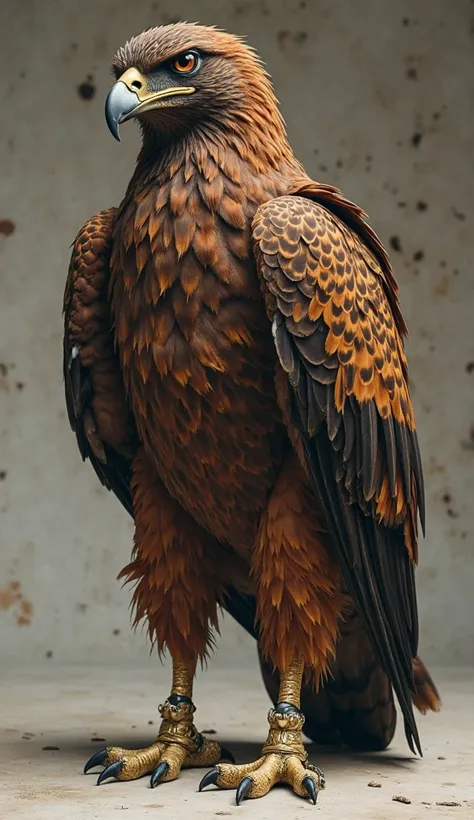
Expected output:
(52, 719)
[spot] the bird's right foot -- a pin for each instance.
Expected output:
(178, 745)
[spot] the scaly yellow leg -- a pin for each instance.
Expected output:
(178, 745)
(284, 758)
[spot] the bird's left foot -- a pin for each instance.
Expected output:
(284, 760)
(178, 745)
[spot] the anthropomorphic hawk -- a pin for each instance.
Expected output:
(235, 372)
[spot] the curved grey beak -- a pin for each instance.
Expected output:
(130, 97)
(119, 104)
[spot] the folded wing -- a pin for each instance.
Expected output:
(95, 397)
(343, 388)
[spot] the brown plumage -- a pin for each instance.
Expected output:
(235, 371)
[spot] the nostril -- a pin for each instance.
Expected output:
(137, 84)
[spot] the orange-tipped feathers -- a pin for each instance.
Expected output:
(426, 697)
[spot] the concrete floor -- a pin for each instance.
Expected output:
(72, 708)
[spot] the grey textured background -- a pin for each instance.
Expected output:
(378, 96)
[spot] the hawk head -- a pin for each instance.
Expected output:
(180, 77)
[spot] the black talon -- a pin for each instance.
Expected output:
(310, 786)
(111, 771)
(227, 755)
(160, 772)
(243, 790)
(210, 778)
(96, 760)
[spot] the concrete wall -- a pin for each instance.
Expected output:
(379, 99)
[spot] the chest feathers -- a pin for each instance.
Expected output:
(184, 288)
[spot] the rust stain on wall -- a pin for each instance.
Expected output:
(11, 597)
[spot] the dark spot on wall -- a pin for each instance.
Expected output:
(97, 739)
(249, 5)
(401, 204)
(298, 37)
(470, 367)
(116, 632)
(3, 475)
(447, 498)
(405, 21)
(323, 167)
(74, 46)
(452, 513)
(209, 732)
(458, 214)
(416, 139)
(282, 37)
(412, 73)
(421, 205)
(339, 163)
(395, 243)
(302, 4)
(418, 256)
(150, 723)
(436, 115)
(50, 749)
(49, 654)
(469, 444)
(19, 385)
(82, 608)
(86, 90)
(7, 227)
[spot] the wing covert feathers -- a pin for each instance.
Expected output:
(338, 333)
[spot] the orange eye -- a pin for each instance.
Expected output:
(185, 63)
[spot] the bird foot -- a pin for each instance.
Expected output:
(178, 745)
(284, 760)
